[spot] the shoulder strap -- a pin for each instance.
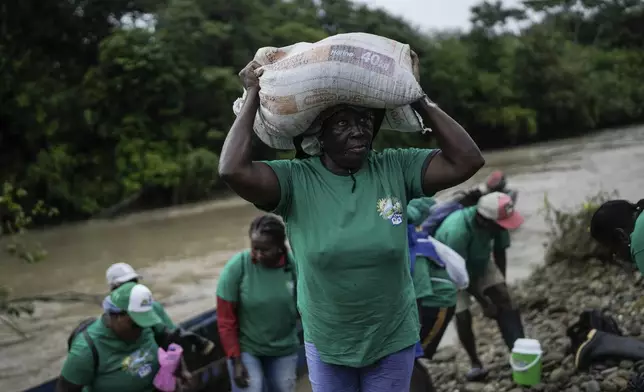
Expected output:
(241, 279)
(92, 346)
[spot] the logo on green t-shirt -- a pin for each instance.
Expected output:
(139, 363)
(390, 208)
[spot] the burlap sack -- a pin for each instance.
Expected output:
(302, 80)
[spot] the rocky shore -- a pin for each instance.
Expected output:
(550, 301)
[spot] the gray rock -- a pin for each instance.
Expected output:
(591, 386)
(609, 371)
(474, 387)
(608, 386)
(620, 382)
(558, 375)
(553, 357)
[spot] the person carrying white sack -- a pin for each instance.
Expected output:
(438, 274)
(345, 214)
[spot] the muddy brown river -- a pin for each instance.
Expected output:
(180, 251)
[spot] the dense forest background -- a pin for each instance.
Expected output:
(106, 104)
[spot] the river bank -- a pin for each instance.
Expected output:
(551, 299)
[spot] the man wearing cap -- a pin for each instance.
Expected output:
(118, 351)
(120, 273)
(495, 182)
(475, 233)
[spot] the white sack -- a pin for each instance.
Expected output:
(302, 80)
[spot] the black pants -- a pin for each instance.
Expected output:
(434, 322)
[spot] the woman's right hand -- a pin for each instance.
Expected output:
(240, 373)
(250, 75)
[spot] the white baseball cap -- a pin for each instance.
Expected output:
(120, 273)
(499, 207)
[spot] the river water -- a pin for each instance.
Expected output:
(180, 251)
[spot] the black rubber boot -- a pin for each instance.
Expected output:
(510, 325)
(421, 380)
(602, 345)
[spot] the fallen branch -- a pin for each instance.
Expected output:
(69, 296)
(4, 320)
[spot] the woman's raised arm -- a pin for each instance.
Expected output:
(255, 182)
(459, 158)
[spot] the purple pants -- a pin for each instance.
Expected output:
(390, 374)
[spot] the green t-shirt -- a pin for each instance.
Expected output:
(460, 232)
(637, 243)
(422, 280)
(123, 366)
(349, 239)
(266, 312)
(165, 318)
(445, 290)
(434, 288)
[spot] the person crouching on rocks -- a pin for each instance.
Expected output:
(345, 212)
(619, 225)
(257, 314)
(475, 233)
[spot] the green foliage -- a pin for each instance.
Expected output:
(16, 219)
(569, 237)
(125, 99)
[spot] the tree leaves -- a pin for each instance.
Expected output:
(133, 97)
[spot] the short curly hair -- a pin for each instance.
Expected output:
(269, 224)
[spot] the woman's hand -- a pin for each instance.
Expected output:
(240, 373)
(250, 75)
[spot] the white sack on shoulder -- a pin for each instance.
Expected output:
(300, 81)
(454, 263)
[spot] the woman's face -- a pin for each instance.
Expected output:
(347, 136)
(124, 327)
(487, 224)
(266, 250)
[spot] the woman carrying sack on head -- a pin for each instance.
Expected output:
(345, 213)
(256, 311)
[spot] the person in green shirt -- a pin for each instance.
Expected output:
(495, 182)
(435, 290)
(256, 311)
(123, 343)
(475, 233)
(619, 225)
(121, 273)
(344, 209)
